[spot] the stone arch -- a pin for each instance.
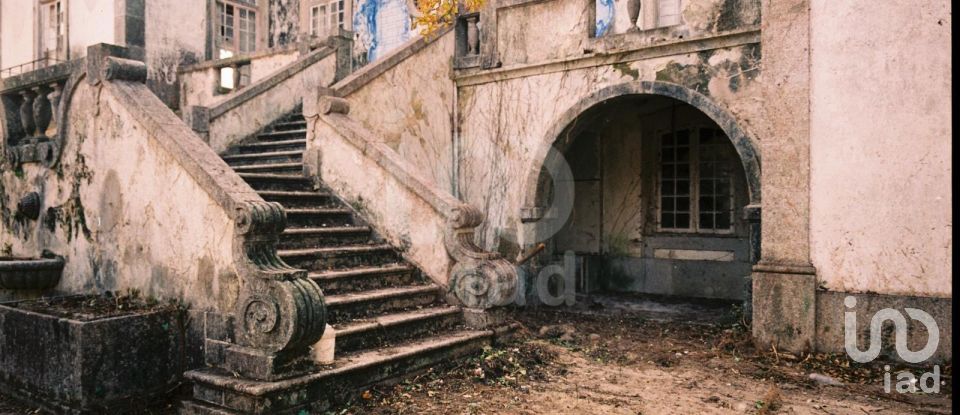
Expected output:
(744, 144)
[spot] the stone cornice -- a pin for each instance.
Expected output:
(629, 54)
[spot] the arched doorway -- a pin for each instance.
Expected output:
(665, 192)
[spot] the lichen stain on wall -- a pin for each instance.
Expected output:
(162, 68)
(735, 14)
(284, 21)
(114, 208)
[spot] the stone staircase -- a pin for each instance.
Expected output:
(389, 319)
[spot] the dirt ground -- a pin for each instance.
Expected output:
(628, 361)
(624, 363)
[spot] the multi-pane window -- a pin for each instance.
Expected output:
(696, 181)
(52, 30)
(675, 180)
(326, 17)
(237, 26)
(668, 13)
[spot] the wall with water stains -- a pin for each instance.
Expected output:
(880, 146)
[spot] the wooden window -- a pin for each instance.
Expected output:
(237, 26)
(52, 30)
(668, 13)
(326, 17)
(695, 188)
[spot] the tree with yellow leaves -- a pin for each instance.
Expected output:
(433, 15)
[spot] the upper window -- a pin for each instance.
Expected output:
(668, 13)
(326, 17)
(237, 26)
(52, 30)
(696, 181)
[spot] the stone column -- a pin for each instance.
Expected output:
(784, 281)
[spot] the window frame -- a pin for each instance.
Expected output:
(58, 51)
(328, 20)
(251, 7)
(658, 21)
(694, 178)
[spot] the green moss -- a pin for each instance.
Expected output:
(618, 245)
(625, 70)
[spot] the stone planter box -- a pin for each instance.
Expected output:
(30, 273)
(89, 361)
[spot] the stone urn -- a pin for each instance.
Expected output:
(30, 273)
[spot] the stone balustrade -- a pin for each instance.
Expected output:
(468, 40)
(32, 105)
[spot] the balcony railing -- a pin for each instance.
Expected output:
(28, 67)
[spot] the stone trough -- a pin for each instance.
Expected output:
(90, 354)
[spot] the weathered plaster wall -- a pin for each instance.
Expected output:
(123, 211)
(89, 23)
(880, 146)
(524, 37)
(16, 32)
(411, 107)
(176, 35)
(198, 84)
(503, 123)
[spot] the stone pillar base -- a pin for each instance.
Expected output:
(784, 307)
(483, 319)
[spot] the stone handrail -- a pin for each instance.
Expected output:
(479, 279)
(364, 75)
(262, 102)
(280, 312)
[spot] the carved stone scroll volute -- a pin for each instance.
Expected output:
(280, 312)
(480, 279)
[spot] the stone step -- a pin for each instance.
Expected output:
(299, 198)
(339, 257)
(365, 278)
(320, 217)
(268, 146)
(273, 181)
(295, 156)
(389, 329)
(282, 135)
(289, 125)
(270, 168)
(218, 392)
(348, 306)
(294, 238)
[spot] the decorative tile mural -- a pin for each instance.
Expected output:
(379, 27)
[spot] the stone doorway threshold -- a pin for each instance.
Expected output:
(660, 307)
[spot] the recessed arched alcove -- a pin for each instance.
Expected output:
(663, 193)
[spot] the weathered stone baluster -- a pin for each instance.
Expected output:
(41, 110)
(473, 34)
(54, 98)
(26, 114)
(633, 12)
